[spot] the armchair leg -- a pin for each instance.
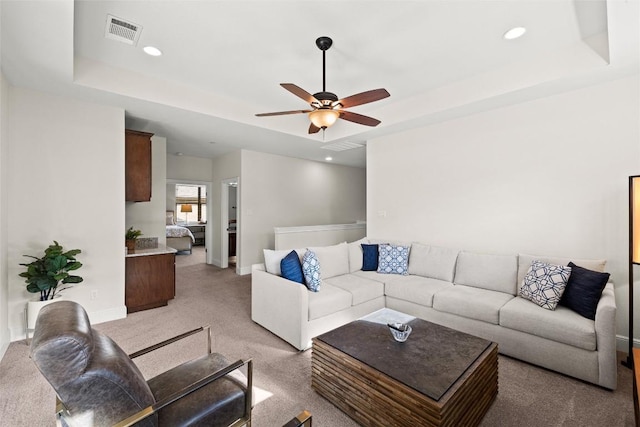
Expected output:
(303, 419)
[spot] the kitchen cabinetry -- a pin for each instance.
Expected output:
(149, 279)
(137, 166)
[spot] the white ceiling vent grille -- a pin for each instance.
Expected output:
(342, 146)
(122, 31)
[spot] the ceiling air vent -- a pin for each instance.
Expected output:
(342, 146)
(122, 31)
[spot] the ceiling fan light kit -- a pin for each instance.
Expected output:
(327, 108)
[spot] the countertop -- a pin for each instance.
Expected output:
(160, 250)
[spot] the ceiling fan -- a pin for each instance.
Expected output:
(326, 107)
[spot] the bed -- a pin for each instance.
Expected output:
(178, 237)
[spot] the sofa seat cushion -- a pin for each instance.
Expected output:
(474, 303)
(561, 325)
(330, 299)
(361, 289)
(374, 275)
(217, 404)
(417, 289)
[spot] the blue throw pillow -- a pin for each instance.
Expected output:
(311, 270)
(584, 290)
(393, 259)
(291, 267)
(369, 257)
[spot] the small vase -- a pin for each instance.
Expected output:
(131, 246)
(33, 309)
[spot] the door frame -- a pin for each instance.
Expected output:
(208, 235)
(224, 222)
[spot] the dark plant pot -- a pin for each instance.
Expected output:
(131, 246)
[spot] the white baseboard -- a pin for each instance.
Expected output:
(622, 343)
(108, 315)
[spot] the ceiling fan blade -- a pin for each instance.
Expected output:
(282, 113)
(359, 118)
(299, 92)
(363, 98)
(313, 128)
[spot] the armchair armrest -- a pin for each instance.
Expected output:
(150, 410)
(153, 347)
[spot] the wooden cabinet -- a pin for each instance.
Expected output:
(232, 244)
(150, 281)
(137, 166)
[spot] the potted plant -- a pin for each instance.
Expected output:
(46, 274)
(130, 238)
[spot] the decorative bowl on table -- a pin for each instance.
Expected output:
(400, 331)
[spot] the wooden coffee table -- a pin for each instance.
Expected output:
(438, 377)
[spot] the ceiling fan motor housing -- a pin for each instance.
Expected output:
(326, 98)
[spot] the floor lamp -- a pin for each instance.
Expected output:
(634, 252)
(186, 209)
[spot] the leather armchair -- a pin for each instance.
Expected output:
(97, 383)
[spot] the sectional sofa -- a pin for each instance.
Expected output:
(472, 292)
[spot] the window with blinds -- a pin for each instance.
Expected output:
(194, 196)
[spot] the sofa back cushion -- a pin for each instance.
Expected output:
(334, 260)
(433, 261)
(493, 272)
(355, 254)
(524, 262)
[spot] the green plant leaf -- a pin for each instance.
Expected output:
(73, 265)
(72, 279)
(72, 253)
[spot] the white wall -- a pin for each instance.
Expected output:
(5, 336)
(543, 177)
(149, 217)
(187, 168)
(277, 191)
(66, 182)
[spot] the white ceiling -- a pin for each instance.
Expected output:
(223, 61)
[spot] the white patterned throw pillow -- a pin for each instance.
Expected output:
(393, 259)
(545, 283)
(311, 270)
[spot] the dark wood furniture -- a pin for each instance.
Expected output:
(149, 281)
(438, 377)
(137, 166)
(198, 232)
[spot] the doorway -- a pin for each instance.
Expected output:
(230, 223)
(198, 218)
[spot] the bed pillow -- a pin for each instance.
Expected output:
(369, 257)
(291, 268)
(311, 270)
(545, 283)
(393, 259)
(584, 290)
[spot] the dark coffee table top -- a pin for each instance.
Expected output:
(430, 361)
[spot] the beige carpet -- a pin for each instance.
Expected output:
(528, 396)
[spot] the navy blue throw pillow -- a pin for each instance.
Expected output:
(291, 267)
(584, 290)
(369, 257)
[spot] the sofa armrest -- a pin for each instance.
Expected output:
(606, 337)
(280, 305)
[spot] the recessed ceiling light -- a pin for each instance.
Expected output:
(179, 153)
(153, 51)
(514, 33)
(328, 158)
